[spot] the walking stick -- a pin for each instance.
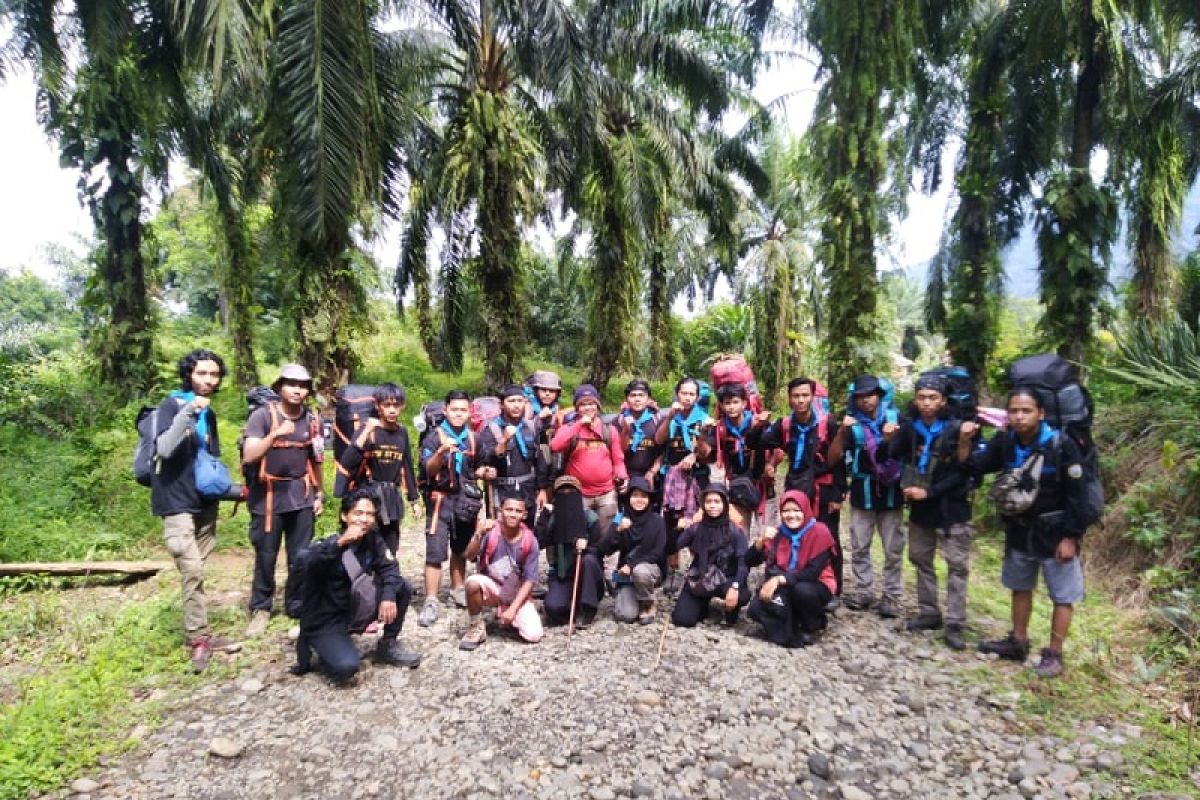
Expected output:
(662, 640)
(489, 500)
(574, 596)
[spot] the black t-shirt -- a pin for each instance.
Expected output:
(522, 456)
(637, 438)
(384, 458)
(288, 464)
(173, 484)
(805, 449)
(949, 483)
(740, 448)
(446, 480)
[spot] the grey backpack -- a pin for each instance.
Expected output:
(362, 593)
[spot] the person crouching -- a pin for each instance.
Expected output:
(338, 602)
(800, 578)
(718, 567)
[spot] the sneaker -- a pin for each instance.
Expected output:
(923, 622)
(459, 596)
(201, 652)
(802, 639)
(390, 651)
(429, 613)
(888, 608)
(224, 644)
(1050, 665)
(833, 605)
(1010, 647)
(585, 617)
(476, 635)
(954, 637)
(646, 615)
(259, 619)
(859, 602)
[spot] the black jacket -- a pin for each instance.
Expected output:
(173, 484)
(950, 483)
(645, 542)
(325, 587)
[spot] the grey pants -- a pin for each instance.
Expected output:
(862, 527)
(631, 598)
(956, 550)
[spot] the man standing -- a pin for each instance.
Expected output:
(378, 458)
(865, 430)
(638, 422)
(451, 457)
(592, 454)
(284, 448)
(804, 437)
(938, 493)
(511, 458)
(186, 423)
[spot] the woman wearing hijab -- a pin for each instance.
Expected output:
(640, 539)
(569, 532)
(718, 568)
(800, 578)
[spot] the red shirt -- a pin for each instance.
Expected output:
(593, 464)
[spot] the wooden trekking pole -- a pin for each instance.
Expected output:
(662, 640)
(574, 595)
(489, 500)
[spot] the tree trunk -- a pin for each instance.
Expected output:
(501, 279)
(236, 291)
(662, 347)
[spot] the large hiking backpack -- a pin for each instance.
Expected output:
(483, 411)
(821, 400)
(256, 398)
(429, 417)
(1069, 409)
(732, 368)
(145, 456)
(962, 401)
(352, 405)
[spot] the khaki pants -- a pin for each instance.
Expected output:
(862, 526)
(956, 550)
(190, 539)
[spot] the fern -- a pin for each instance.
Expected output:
(1160, 357)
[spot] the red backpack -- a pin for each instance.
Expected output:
(492, 541)
(483, 411)
(732, 368)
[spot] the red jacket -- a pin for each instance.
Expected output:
(596, 466)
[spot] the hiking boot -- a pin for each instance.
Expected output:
(200, 652)
(476, 635)
(1010, 647)
(923, 622)
(429, 613)
(459, 596)
(646, 615)
(390, 651)
(888, 609)
(954, 637)
(859, 602)
(802, 639)
(585, 617)
(259, 619)
(1050, 665)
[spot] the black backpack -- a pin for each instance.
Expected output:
(352, 404)
(145, 456)
(962, 400)
(256, 398)
(1069, 409)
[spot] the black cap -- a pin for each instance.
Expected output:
(864, 385)
(640, 483)
(637, 384)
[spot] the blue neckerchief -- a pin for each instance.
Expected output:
(536, 404)
(201, 420)
(462, 440)
(524, 448)
(797, 537)
(638, 433)
(681, 426)
(928, 434)
(874, 423)
(801, 436)
(1022, 453)
(739, 435)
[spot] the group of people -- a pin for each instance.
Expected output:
(612, 501)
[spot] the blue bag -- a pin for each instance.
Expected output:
(212, 476)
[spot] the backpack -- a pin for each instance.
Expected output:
(483, 411)
(145, 455)
(962, 400)
(258, 471)
(492, 541)
(821, 399)
(732, 368)
(256, 398)
(430, 416)
(704, 396)
(1069, 409)
(1015, 490)
(352, 404)
(362, 592)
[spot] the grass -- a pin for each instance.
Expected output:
(87, 685)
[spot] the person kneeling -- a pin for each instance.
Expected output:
(641, 540)
(349, 580)
(507, 570)
(572, 535)
(718, 568)
(800, 577)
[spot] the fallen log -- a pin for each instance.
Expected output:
(139, 569)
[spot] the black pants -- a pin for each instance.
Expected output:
(692, 608)
(558, 590)
(833, 521)
(802, 609)
(336, 650)
(390, 532)
(296, 529)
